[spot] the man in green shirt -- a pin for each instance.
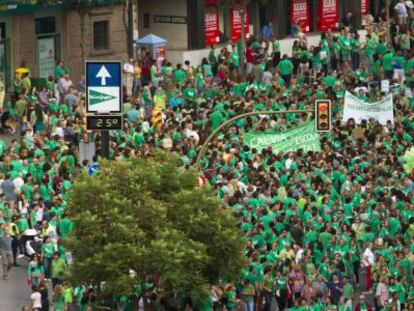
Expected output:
(345, 46)
(26, 82)
(21, 112)
(387, 60)
(276, 51)
(179, 75)
(58, 267)
(348, 292)
(286, 68)
(154, 73)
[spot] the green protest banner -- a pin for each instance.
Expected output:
(304, 137)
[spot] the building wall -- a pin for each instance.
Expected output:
(175, 34)
(23, 41)
(118, 38)
(69, 29)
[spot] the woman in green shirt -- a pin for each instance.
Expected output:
(231, 298)
(58, 299)
(48, 248)
(35, 270)
(199, 79)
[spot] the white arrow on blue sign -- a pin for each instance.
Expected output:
(93, 169)
(103, 74)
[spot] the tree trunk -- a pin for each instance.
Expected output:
(82, 15)
(243, 14)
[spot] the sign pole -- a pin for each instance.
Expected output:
(105, 144)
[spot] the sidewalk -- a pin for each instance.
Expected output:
(195, 56)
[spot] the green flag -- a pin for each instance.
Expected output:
(304, 137)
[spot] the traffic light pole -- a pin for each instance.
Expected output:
(105, 144)
(241, 116)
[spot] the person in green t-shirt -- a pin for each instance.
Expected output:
(387, 61)
(345, 45)
(370, 47)
(154, 73)
(276, 51)
(286, 67)
(58, 268)
(48, 248)
(399, 65)
(235, 58)
(179, 75)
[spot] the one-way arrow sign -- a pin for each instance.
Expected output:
(103, 87)
(103, 74)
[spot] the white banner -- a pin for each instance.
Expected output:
(46, 52)
(358, 110)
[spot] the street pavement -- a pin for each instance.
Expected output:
(15, 293)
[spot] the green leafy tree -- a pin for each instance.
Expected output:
(143, 219)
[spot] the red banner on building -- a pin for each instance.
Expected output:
(235, 22)
(364, 6)
(211, 24)
(300, 12)
(329, 14)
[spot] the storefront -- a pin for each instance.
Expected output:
(5, 49)
(29, 35)
(40, 36)
(48, 43)
(224, 23)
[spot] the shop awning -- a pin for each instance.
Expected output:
(150, 39)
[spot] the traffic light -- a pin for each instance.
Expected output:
(323, 116)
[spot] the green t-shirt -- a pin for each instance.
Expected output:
(179, 76)
(48, 249)
(345, 45)
(285, 67)
(387, 62)
(235, 59)
(154, 73)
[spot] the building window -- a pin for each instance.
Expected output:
(45, 25)
(146, 20)
(101, 35)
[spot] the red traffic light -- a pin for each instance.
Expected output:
(323, 107)
(322, 116)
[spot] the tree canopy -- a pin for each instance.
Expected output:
(143, 220)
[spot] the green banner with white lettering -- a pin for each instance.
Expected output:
(304, 137)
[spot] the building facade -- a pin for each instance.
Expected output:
(38, 37)
(190, 26)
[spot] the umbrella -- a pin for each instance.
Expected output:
(22, 70)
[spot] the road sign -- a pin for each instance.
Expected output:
(103, 87)
(323, 117)
(93, 169)
(104, 122)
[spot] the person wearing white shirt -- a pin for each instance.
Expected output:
(18, 183)
(36, 298)
(367, 261)
(402, 13)
(128, 70)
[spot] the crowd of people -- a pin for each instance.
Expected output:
(329, 230)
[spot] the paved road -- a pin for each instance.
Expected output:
(15, 293)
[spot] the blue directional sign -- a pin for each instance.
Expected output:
(93, 169)
(103, 87)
